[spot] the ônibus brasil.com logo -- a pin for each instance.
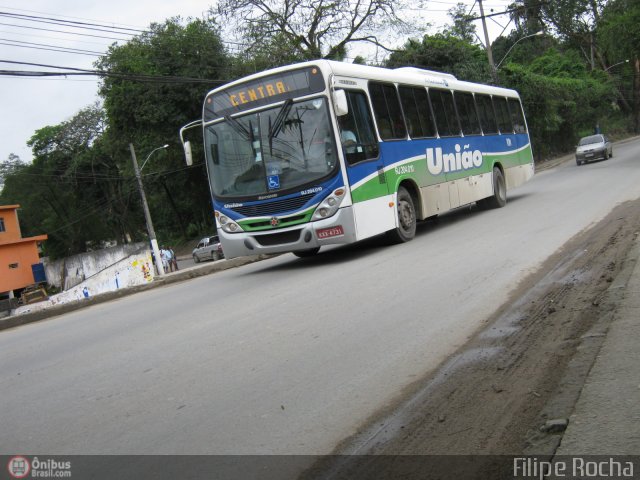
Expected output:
(19, 467)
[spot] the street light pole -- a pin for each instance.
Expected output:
(147, 215)
(517, 41)
(616, 64)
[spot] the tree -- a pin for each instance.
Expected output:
(186, 60)
(9, 167)
(619, 36)
(310, 29)
(573, 21)
(65, 192)
(561, 99)
(527, 16)
(462, 24)
(444, 52)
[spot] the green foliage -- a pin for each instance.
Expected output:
(556, 64)
(150, 114)
(619, 30)
(619, 38)
(558, 108)
(80, 189)
(9, 167)
(68, 190)
(444, 52)
(170, 50)
(462, 25)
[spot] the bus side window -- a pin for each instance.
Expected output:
(502, 112)
(359, 142)
(445, 112)
(386, 108)
(486, 113)
(517, 117)
(417, 112)
(467, 113)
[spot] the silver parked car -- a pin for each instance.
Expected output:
(593, 147)
(208, 248)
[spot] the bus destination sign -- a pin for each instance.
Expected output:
(263, 91)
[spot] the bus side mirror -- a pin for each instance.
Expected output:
(340, 102)
(188, 156)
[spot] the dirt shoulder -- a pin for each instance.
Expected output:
(501, 393)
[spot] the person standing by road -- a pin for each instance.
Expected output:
(173, 263)
(164, 256)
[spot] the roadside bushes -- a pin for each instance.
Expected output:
(559, 109)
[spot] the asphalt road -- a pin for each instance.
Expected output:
(287, 356)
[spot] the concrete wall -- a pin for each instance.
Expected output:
(68, 272)
(134, 269)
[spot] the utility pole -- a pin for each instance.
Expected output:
(492, 67)
(147, 215)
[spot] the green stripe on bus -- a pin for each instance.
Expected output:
(417, 171)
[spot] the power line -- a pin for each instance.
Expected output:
(60, 31)
(49, 49)
(64, 16)
(70, 71)
(73, 24)
(34, 45)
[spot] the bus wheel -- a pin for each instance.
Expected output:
(406, 212)
(307, 253)
(499, 197)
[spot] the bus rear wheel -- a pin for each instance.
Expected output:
(499, 197)
(406, 218)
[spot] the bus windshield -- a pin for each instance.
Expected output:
(274, 150)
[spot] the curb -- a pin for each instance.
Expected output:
(175, 277)
(610, 370)
(564, 401)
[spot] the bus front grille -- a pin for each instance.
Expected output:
(277, 207)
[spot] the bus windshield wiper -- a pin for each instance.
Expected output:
(274, 129)
(238, 127)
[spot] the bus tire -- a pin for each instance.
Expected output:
(406, 217)
(499, 197)
(311, 252)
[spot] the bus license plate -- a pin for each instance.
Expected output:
(330, 232)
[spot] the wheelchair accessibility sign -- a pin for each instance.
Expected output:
(273, 182)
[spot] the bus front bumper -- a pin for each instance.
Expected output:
(338, 229)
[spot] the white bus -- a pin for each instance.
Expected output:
(324, 152)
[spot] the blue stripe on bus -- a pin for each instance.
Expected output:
(395, 151)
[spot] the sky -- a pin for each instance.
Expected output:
(28, 104)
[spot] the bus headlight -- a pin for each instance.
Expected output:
(227, 224)
(329, 206)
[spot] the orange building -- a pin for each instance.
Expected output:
(17, 254)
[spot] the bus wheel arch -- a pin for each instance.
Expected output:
(411, 187)
(498, 198)
(407, 204)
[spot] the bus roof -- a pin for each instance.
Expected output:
(404, 75)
